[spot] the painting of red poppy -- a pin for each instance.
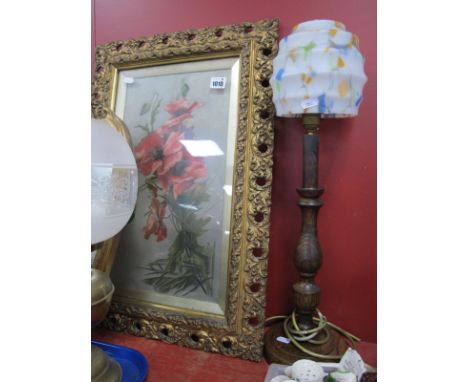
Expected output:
(174, 249)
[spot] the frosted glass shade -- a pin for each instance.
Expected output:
(318, 69)
(114, 181)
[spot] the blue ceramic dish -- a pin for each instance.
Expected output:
(133, 363)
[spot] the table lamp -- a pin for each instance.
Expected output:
(318, 73)
(114, 187)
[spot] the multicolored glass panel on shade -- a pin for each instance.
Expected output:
(319, 70)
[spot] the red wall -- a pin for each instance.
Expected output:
(347, 221)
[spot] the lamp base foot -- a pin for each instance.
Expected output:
(287, 354)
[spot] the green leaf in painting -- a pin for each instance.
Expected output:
(185, 90)
(195, 196)
(144, 128)
(200, 224)
(155, 112)
(174, 254)
(145, 108)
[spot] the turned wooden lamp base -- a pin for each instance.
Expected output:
(307, 259)
(286, 354)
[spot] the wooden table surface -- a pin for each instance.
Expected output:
(172, 363)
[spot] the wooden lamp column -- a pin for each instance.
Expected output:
(307, 259)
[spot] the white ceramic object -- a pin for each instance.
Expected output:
(306, 370)
(276, 369)
(281, 378)
(344, 376)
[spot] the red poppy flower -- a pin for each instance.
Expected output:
(179, 107)
(155, 222)
(179, 111)
(154, 156)
(183, 174)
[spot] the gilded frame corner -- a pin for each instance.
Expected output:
(240, 332)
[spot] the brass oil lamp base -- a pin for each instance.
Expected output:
(103, 367)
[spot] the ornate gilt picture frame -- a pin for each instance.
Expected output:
(191, 266)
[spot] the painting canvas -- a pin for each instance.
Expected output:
(174, 251)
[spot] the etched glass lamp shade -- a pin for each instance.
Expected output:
(318, 70)
(114, 181)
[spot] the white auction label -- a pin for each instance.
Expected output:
(218, 82)
(284, 340)
(309, 102)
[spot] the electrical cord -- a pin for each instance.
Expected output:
(296, 335)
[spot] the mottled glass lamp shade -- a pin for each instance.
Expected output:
(114, 181)
(318, 70)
